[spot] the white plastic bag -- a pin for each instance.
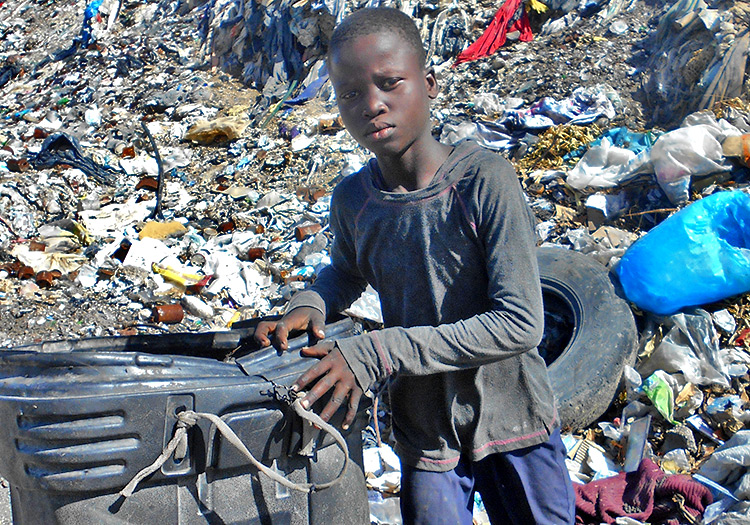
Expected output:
(604, 166)
(684, 153)
(689, 347)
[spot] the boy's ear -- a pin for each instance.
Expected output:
(431, 83)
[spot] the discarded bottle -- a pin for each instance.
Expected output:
(253, 254)
(25, 272)
(699, 255)
(12, 268)
(168, 313)
(45, 279)
(17, 165)
(303, 231)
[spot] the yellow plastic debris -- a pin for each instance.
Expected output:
(539, 7)
(174, 276)
(219, 130)
(235, 317)
(161, 230)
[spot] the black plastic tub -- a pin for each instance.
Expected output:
(81, 418)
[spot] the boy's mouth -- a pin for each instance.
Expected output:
(379, 132)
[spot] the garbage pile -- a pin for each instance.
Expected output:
(167, 166)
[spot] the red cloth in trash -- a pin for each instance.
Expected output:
(495, 34)
(644, 495)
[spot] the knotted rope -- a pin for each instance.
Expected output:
(188, 418)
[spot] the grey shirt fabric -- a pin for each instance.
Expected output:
(455, 267)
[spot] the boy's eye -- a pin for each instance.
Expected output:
(349, 95)
(391, 83)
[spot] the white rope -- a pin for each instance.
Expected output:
(188, 419)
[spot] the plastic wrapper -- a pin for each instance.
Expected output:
(607, 166)
(690, 347)
(697, 256)
(730, 462)
(675, 462)
(632, 380)
(660, 394)
(684, 153)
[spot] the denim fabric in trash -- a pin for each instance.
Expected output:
(699, 255)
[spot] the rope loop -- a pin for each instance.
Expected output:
(188, 419)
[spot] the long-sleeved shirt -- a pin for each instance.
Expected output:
(455, 267)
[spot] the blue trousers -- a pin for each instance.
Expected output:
(521, 487)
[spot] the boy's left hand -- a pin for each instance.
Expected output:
(331, 372)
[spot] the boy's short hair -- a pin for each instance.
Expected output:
(371, 20)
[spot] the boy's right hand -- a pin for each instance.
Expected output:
(301, 318)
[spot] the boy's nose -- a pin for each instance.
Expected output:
(374, 105)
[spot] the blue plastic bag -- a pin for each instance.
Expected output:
(699, 255)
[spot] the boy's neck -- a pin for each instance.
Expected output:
(413, 171)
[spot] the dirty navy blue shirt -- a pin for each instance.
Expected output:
(455, 266)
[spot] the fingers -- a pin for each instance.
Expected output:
(308, 377)
(261, 332)
(352, 407)
(302, 318)
(319, 350)
(340, 394)
(317, 324)
(281, 336)
(280, 331)
(331, 372)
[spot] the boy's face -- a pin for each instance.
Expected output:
(383, 93)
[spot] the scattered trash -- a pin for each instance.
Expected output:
(167, 167)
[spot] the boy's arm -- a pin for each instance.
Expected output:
(512, 325)
(335, 289)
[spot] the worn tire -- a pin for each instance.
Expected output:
(589, 336)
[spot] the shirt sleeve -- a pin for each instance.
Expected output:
(512, 325)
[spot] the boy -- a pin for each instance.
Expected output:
(444, 234)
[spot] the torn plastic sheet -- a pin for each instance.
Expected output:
(492, 104)
(143, 253)
(367, 306)
(61, 148)
(691, 347)
(242, 280)
(607, 166)
(727, 513)
(383, 468)
(687, 152)
(145, 164)
(622, 137)
(313, 84)
(272, 45)
(47, 260)
(488, 135)
(693, 150)
(584, 106)
(729, 463)
(113, 219)
(606, 244)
